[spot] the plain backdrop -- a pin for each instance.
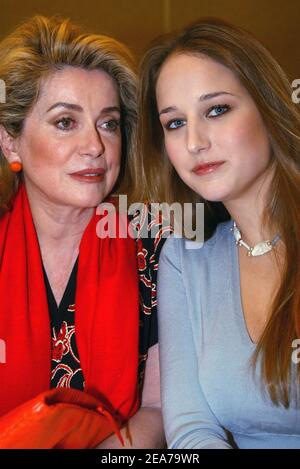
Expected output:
(276, 23)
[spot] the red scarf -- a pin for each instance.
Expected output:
(106, 318)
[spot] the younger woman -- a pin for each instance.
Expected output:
(218, 125)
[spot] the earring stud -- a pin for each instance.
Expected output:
(16, 167)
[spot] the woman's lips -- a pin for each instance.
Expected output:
(207, 168)
(89, 175)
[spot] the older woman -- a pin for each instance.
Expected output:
(219, 126)
(68, 298)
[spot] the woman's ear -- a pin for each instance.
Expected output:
(9, 146)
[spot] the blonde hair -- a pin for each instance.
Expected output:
(40, 47)
(270, 89)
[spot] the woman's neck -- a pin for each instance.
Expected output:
(58, 225)
(249, 222)
(248, 211)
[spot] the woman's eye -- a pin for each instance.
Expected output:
(65, 123)
(217, 110)
(175, 124)
(111, 125)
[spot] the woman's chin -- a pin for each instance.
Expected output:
(213, 196)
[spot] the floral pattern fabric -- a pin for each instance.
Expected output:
(65, 362)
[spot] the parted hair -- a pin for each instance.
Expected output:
(271, 91)
(41, 46)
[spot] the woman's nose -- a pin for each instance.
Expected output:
(197, 139)
(93, 144)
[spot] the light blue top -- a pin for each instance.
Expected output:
(208, 387)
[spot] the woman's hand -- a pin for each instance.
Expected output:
(145, 428)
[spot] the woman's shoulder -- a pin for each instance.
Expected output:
(177, 246)
(151, 231)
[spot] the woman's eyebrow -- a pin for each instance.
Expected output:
(111, 109)
(76, 107)
(167, 109)
(73, 107)
(204, 97)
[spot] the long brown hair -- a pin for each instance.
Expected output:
(40, 47)
(270, 89)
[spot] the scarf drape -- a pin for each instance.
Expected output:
(106, 318)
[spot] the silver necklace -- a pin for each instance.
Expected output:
(259, 249)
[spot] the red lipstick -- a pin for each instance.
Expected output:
(207, 168)
(89, 175)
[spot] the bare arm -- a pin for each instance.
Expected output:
(145, 427)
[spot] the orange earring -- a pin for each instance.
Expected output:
(16, 167)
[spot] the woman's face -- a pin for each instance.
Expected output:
(214, 134)
(70, 145)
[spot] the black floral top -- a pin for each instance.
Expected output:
(65, 363)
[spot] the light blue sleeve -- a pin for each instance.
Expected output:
(188, 420)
